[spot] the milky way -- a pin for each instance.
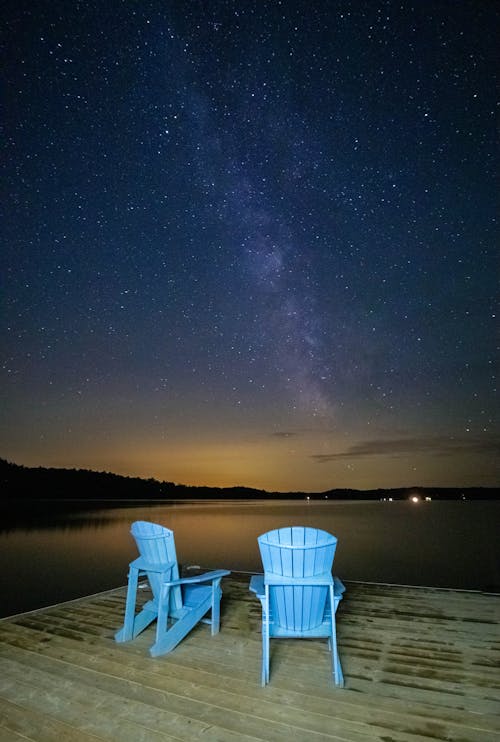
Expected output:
(252, 243)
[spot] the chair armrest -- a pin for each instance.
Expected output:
(207, 577)
(338, 586)
(257, 585)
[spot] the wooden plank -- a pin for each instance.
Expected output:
(22, 723)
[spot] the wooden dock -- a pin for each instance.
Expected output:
(419, 664)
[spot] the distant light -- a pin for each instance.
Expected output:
(415, 498)
(428, 499)
(390, 499)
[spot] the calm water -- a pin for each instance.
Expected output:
(445, 544)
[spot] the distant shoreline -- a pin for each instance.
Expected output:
(39, 484)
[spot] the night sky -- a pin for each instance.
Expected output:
(251, 243)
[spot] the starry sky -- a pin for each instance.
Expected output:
(251, 242)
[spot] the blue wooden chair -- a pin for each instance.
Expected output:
(178, 604)
(298, 594)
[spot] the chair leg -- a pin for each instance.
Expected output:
(336, 666)
(265, 657)
(126, 633)
(168, 638)
(163, 611)
(134, 624)
(216, 596)
(265, 638)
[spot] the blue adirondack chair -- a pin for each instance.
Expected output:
(298, 594)
(178, 604)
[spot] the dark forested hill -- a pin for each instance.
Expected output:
(22, 482)
(36, 483)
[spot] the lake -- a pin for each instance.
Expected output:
(67, 555)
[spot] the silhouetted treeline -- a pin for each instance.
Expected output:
(20, 483)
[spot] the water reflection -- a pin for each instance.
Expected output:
(66, 553)
(72, 514)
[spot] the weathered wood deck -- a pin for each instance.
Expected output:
(419, 664)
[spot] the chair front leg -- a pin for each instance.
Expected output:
(163, 611)
(336, 666)
(127, 633)
(265, 638)
(216, 596)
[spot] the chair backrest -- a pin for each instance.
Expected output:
(156, 546)
(293, 553)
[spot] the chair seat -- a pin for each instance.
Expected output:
(193, 595)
